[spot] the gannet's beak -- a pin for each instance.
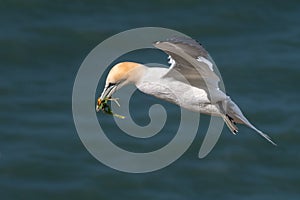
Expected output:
(106, 94)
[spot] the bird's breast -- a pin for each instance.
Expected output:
(179, 93)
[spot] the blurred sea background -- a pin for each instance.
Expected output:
(256, 45)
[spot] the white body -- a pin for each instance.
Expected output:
(190, 82)
(177, 92)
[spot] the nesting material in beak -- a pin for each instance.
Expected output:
(104, 106)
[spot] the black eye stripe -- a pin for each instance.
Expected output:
(111, 84)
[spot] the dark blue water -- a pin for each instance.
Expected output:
(256, 46)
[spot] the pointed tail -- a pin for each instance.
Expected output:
(261, 133)
(235, 115)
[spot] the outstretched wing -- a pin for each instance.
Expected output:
(191, 60)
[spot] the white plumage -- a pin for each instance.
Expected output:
(190, 82)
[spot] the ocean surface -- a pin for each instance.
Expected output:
(256, 45)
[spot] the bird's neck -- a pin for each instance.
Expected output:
(137, 73)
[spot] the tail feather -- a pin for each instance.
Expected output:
(235, 115)
(268, 138)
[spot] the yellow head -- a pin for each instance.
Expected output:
(120, 75)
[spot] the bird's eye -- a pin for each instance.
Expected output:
(111, 84)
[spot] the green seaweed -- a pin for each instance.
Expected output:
(104, 106)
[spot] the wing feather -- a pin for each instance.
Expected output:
(190, 59)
